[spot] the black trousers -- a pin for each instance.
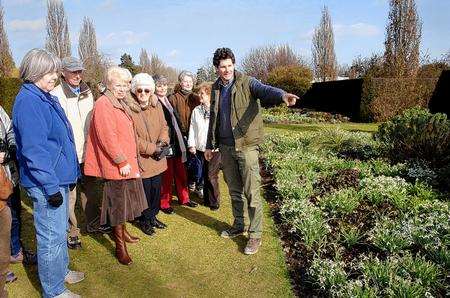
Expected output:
(152, 189)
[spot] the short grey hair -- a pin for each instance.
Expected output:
(185, 73)
(142, 80)
(116, 72)
(37, 63)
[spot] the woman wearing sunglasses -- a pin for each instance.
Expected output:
(152, 134)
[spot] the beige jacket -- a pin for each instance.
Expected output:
(78, 109)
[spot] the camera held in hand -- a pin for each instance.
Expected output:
(162, 150)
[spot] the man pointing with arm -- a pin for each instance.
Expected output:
(236, 129)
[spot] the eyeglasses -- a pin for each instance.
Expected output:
(143, 90)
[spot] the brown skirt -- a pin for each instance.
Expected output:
(123, 200)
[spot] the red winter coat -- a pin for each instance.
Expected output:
(111, 142)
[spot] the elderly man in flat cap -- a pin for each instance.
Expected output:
(77, 101)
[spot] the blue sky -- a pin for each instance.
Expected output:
(186, 33)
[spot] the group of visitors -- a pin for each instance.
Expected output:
(131, 144)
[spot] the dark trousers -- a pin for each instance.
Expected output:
(152, 189)
(194, 168)
(16, 223)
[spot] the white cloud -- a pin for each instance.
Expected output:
(353, 30)
(108, 5)
(357, 29)
(126, 38)
(21, 2)
(173, 54)
(27, 25)
(308, 35)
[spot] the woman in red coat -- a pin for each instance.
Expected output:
(111, 154)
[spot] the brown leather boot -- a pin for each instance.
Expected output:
(129, 238)
(121, 248)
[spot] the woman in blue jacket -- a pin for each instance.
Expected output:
(48, 166)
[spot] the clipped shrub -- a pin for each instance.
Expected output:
(417, 135)
(384, 98)
(293, 79)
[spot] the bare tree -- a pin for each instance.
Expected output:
(157, 65)
(446, 58)
(324, 56)
(58, 41)
(144, 62)
(6, 60)
(259, 62)
(363, 67)
(207, 72)
(93, 61)
(403, 34)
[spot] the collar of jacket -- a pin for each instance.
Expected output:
(114, 101)
(53, 101)
(132, 103)
(236, 79)
(39, 92)
(84, 90)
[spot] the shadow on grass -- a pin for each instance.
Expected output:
(209, 222)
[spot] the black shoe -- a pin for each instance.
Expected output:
(157, 224)
(167, 210)
(191, 204)
(214, 208)
(147, 228)
(74, 242)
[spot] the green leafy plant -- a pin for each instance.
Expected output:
(350, 235)
(328, 274)
(386, 189)
(417, 135)
(390, 236)
(341, 202)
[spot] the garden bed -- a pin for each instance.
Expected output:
(285, 115)
(351, 223)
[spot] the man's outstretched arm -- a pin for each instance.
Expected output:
(270, 94)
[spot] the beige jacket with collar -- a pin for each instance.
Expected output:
(78, 109)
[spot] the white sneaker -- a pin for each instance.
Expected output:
(74, 277)
(68, 294)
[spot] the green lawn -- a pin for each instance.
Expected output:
(188, 259)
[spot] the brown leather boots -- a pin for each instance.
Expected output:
(121, 236)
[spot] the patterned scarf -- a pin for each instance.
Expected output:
(165, 102)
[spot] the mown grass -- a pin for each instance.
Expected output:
(188, 259)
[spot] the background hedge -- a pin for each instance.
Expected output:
(384, 98)
(9, 87)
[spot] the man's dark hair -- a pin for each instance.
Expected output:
(223, 54)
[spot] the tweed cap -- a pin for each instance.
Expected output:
(72, 64)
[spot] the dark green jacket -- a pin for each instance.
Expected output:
(246, 119)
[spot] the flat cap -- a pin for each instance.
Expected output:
(72, 64)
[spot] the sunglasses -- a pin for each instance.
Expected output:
(143, 90)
